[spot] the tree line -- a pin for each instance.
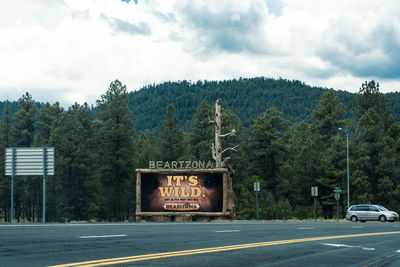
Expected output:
(246, 97)
(98, 149)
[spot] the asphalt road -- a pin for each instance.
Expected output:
(202, 244)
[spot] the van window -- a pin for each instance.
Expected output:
(372, 208)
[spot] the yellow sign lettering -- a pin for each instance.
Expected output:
(195, 191)
(193, 181)
(165, 191)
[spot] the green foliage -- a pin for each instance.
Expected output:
(24, 121)
(267, 147)
(27, 189)
(328, 115)
(247, 98)
(376, 145)
(287, 139)
(48, 114)
(302, 167)
(115, 133)
(5, 142)
(202, 132)
(75, 192)
(171, 138)
(147, 149)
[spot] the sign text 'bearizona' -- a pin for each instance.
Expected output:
(182, 164)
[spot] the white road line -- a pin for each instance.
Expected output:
(306, 228)
(337, 245)
(367, 248)
(357, 227)
(227, 231)
(101, 236)
(398, 251)
(346, 246)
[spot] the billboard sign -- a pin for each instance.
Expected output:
(29, 161)
(181, 191)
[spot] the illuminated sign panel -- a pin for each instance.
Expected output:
(181, 191)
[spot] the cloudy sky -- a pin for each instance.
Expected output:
(71, 50)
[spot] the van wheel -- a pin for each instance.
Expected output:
(382, 218)
(353, 218)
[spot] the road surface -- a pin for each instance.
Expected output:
(293, 243)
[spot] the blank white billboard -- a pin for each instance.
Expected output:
(29, 161)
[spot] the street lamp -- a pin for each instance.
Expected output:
(347, 163)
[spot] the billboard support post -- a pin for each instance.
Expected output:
(44, 184)
(12, 183)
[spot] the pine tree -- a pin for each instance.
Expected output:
(329, 115)
(5, 142)
(267, 146)
(328, 119)
(48, 114)
(27, 189)
(24, 121)
(376, 166)
(202, 133)
(147, 149)
(171, 138)
(301, 169)
(75, 192)
(116, 147)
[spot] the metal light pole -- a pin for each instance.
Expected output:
(347, 165)
(347, 161)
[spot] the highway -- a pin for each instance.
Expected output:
(239, 243)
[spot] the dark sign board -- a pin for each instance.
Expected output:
(194, 191)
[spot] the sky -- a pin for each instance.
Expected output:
(70, 51)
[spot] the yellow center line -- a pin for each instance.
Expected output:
(210, 250)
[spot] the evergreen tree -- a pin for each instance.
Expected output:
(329, 115)
(301, 169)
(328, 119)
(267, 147)
(24, 121)
(75, 192)
(147, 149)
(48, 114)
(202, 132)
(116, 147)
(171, 138)
(5, 142)
(27, 189)
(376, 169)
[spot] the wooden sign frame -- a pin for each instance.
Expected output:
(139, 173)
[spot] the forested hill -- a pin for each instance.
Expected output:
(247, 98)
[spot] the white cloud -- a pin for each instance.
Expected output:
(70, 51)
